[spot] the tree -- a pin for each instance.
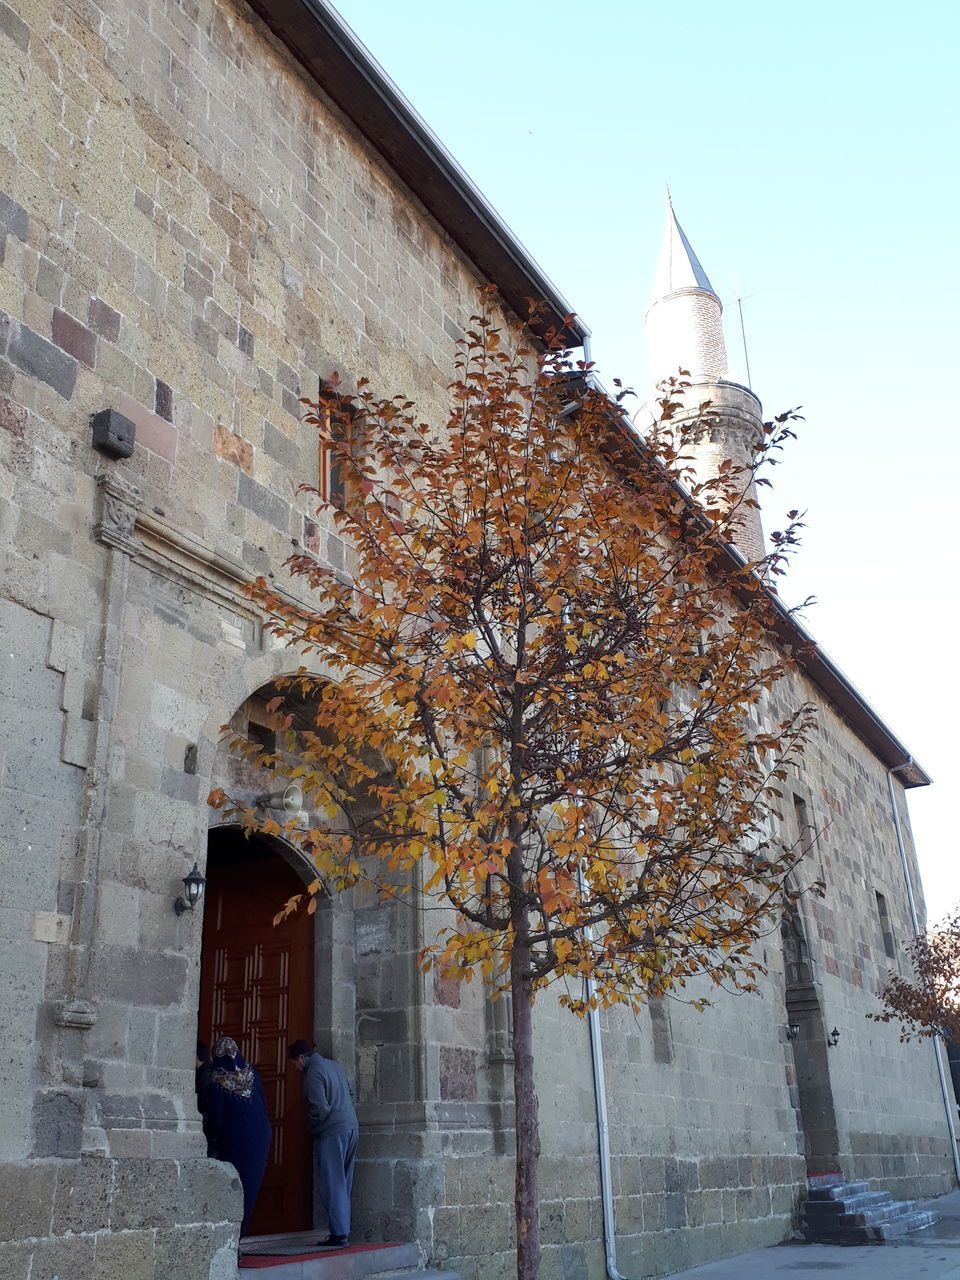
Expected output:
(927, 1003)
(549, 680)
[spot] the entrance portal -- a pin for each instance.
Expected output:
(256, 985)
(810, 1054)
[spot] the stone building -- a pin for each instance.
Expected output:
(208, 205)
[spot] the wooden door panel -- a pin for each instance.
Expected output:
(257, 986)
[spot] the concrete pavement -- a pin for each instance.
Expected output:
(932, 1254)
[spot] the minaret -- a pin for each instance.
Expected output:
(685, 331)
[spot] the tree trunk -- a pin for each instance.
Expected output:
(527, 1123)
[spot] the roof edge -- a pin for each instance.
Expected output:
(336, 59)
(812, 661)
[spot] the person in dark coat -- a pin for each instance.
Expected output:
(238, 1127)
(333, 1126)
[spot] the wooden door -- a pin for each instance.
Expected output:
(256, 985)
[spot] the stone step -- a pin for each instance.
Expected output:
(918, 1220)
(850, 1204)
(850, 1213)
(838, 1191)
(873, 1217)
(296, 1257)
(872, 1233)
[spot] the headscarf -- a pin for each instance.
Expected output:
(230, 1070)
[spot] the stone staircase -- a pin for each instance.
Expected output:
(295, 1257)
(838, 1212)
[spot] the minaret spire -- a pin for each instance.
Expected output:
(685, 317)
(685, 331)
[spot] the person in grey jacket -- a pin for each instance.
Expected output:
(333, 1126)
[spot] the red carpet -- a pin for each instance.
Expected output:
(255, 1262)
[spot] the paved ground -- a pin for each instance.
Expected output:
(932, 1254)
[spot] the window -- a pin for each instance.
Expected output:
(889, 945)
(803, 823)
(335, 431)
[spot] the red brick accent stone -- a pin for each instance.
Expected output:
(233, 449)
(13, 417)
(164, 401)
(74, 338)
(447, 991)
(152, 432)
(103, 319)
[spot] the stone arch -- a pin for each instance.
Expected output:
(367, 984)
(334, 971)
(811, 1087)
(243, 683)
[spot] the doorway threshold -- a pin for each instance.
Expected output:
(295, 1256)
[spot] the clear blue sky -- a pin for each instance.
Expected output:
(812, 152)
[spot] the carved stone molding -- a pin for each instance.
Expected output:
(78, 1014)
(119, 503)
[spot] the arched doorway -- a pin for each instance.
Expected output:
(257, 985)
(814, 1089)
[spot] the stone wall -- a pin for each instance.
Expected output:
(707, 1133)
(190, 234)
(119, 1218)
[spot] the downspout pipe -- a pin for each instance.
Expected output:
(948, 1104)
(603, 1123)
(603, 1137)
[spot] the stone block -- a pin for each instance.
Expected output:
(65, 1258)
(674, 1210)
(39, 358)
(583, 1218)
(279, 446)
(127, 1255)
(74, 338)
(15, 1261)
(129, 1143)
(145, 978)
(153, 432)
(573, 1261)
(83, 1196)
(163, 403)
(103, 320)
(719, 1171)
(13, 217)
(176, 1144)
(552, 1224)
(208, 1191)
(13, 417)
(652, 1174)
(184, 1252)
(26, 1199)
(458, 1073)
(233, 448)
(144, 1194)
(58, 1124)
(262, 502)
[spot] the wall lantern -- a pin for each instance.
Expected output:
(793, 1030)
(193, 886)
(833, 1037)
